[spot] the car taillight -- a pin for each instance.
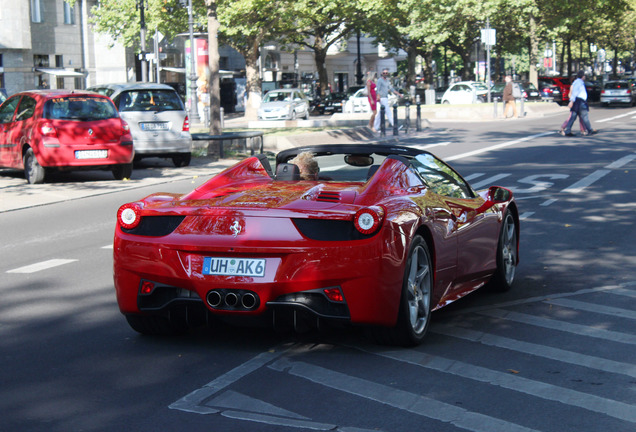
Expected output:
(602, 91)
(125, 126)
(525, 94)
(47, 129)
(368, 220)
(186, 124)
(129, 215)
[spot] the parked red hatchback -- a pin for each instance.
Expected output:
(44, 130)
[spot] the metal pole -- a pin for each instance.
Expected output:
(144, 65)
(395, 120)
(382, 117)
(418, 124)
(157, 63)
(359, 74)
(194, 105)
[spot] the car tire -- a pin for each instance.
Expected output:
(507, 258)
(157, 325)
(293, 115)
(123, 171)
(414, 313)
(446, 102)
(182, 160)
(306, 115)
(33, 171)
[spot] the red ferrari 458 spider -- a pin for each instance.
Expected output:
(373, 235)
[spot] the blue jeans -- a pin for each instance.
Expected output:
(585, 118)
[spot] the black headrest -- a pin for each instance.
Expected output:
(372, 170)
(287, 171)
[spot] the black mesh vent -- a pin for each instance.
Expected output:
(329, 230)
(155, 226)
(328, 196)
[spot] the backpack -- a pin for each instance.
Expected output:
(516, 91)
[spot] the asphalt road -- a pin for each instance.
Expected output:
(556, 353)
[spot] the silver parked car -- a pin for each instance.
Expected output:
(284, 104)
(618, 92)
(158, 121)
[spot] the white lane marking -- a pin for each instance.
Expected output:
(525, 215)
(497, 146)
(616, 117)
(473, 176)
(400, 399)
(44, 265)
(548, 202)
(110, 246)
(594, 308)
(194, 402)
(621, 162)
(562, 326)
(517, 383)
(544, 351)
(586, 181)
(490, 180)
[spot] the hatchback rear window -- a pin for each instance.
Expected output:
(150, 100)
(617, 85)
(82, 108)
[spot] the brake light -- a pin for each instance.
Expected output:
(368, 220)
(129, 215)
(47, 129)
(125, 126)
(186, 124)
(147, 287)
(334, 294)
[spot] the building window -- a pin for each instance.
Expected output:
(59, 60)
(36, 11)
(41, 60)
(69, 14)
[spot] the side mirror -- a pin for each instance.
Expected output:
(498, 194)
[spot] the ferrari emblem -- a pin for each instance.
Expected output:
(235, 228)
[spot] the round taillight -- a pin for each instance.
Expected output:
(129, 215)
(368, 220)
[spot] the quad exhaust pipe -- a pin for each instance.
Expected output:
(239, 300)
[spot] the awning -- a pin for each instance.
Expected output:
(183, 70)
(60, 72)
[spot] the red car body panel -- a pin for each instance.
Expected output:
(57, 148)
(245, 213)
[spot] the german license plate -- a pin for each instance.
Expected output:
(223, 266)
(154, 126)
(91, 154)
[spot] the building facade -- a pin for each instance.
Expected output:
(48, 44)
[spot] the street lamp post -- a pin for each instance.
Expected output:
(142, 17)
(194, 105)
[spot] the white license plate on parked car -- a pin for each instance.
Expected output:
(91, 154)
(155, 126)
(223, 266)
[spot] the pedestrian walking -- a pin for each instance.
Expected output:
(509, 98)
(578, 105)
(573, 113)
(383, 87)
(373, 98)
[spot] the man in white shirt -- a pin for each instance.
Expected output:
(383, 87)
(578, 105)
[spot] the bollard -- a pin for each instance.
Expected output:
(495, 105)
(521, 111)
(382, 125)
(418, 121)
(407, 118)
(395, 120)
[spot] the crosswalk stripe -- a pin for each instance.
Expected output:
(544, 351)
(44, 265)
(594, 308)
(578, 329)
(517, 383)
(400, 399)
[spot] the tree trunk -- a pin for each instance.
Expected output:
(213, 64)
(252, 81)
(320, 56)
(534, 52)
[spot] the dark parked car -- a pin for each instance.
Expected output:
(528, 90)
(331, 103)
(593, 90)
(562, 83)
